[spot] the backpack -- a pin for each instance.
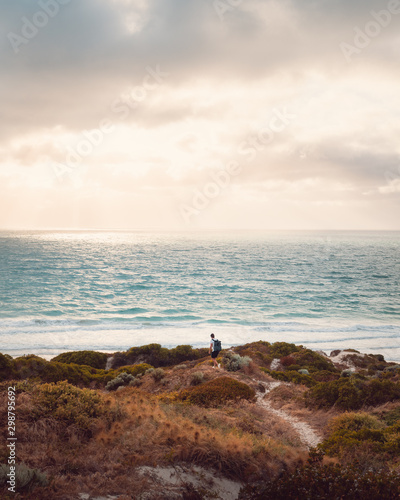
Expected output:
(217, 345)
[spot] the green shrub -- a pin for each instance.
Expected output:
(351, 432)
(392, 417)
(29, 366)
(353, 393)
(354, 422)
(216, 392)
(197, 378)
(158, 374)
(282, 349)
(313, 361)
(234, 362)
(68, 404)
(158, 356)
(182, 353)
(392, 439)
(25, 478)
(261, 346)
(180, 367)
(90, 358)
(135, 370)
(6, 367)
(326, 482)
(380, 391)
(353, 436)
(258, 351)
(123, 379)
(291, 376)
(33, 367)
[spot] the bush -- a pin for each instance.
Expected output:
(288, 360)
(352, 431)
(234, 362)
(123, 379)
(158, 356)
(90, 358)
(326, 482)
(325, 376)
(392, 417)
(197, 378)
(352, 393)
(158, 374)
(282, 349)
(25, 478)
(290, 376)
(34, 367)
(353, 435)
(313, 361)
(180, 367)
(216, 392)
(135, 370)
(68, 404)
(6, 366)
(354, 422)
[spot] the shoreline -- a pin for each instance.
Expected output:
(110, 352)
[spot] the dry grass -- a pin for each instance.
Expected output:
(233, 440)
(150, 426)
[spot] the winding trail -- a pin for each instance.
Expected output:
(306, 433)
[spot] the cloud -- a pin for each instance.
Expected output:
(392, 187)
(227, 77)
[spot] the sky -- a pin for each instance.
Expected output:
(200, 114)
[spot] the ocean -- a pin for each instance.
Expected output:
(111, 290)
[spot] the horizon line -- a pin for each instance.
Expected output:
(175, 230)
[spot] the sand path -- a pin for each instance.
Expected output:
(306, 433)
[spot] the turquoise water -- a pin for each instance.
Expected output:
(111, 290)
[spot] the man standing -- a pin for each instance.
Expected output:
(214, 351)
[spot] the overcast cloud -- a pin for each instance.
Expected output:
(195, 114)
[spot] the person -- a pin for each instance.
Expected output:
(213, 352)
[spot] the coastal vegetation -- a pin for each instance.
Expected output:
(90, 358)
(86, 430)
(157, 356)
(217, 391)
